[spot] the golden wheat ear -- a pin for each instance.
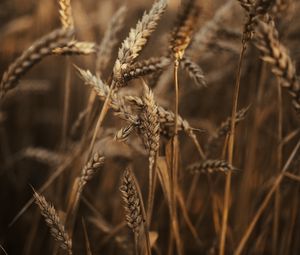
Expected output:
(211, 166)
(185, 24)
(65, 12)
(274, 52)
(52, 219)
(135, 215)
(137, 38)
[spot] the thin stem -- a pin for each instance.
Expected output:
(86, 237)
(279, 163)
(174, 220)
(230, 152)
(145, 224)
(292, 176)
(67, 94)
(102, 115)
(152, 186)
(265, 202)
(136, 244)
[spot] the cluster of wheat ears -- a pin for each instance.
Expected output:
(165, 214)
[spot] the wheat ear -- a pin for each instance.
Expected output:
(274, 53)
(37, 51)
(211, 166)
(53, 221)
(87, 173)
(65, 12)
(135, 215)
(137, 38)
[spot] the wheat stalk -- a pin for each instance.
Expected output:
(53, 221)
(31, 56)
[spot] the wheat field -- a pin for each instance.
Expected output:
(150, 127)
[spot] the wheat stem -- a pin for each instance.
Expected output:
(230, 152)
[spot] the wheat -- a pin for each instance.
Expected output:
(42, 155)
(89, 170)
(131, 202)
(247, 4)
(137, 38)
(144, 67)
(224, 128)
(38, 50)
(110, 39)
(208, 32)
(123, 134)
(65, 12)
(149, 124)
(53, 221)
(77, 48)
(184, 27)
(211, 166)
(274, 53)
(166, 117)
(194, 71)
